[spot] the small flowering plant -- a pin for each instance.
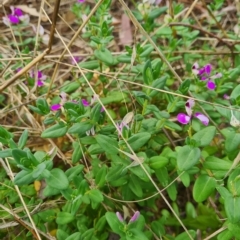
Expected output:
(39, 76)
(16, 17)
(205, 74)
(186, 118)
(133, 228)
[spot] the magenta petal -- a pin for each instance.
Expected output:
(119, 216)
(13, 19)
(40, 83)
(203, 78)
(18, 12)
(211, 85)
(208, 69)
(55, 107)
(201, 71)
(183, 118)
(85, 103)
(135, 216)
(202, 118)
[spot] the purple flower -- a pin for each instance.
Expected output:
(204, 74)
(75, 58)
(80, 1)
(93, 100)
(225, 96)
(15, 17)
(121, 125)
(16, 11)
(119, 216)
(85, 103)
(185, 119)
(40, 77)
(135, 217)
(56, 107)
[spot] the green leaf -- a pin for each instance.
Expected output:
(61, 235)
(23, 178)
(185, 236)
(96, 113)
(6, 153)
(214, 163)
(135, 186)
(47, 215)
(77, 152)
(42, 105)
(114, 223)
(172, 192)
(234, 182)
(147, 49)
(74, 171)
(124, 59)
(57, 179)
(95, 195)
(105, 56)
(20, 156)
(38, 170)
(185, 178)
(158, 84)
(57, 130)
(101, 176)
(94, 64)
(64, 218)
(138, 140)
(205, 136)
(203, 188)
(234, 229)
(88, 235)
(74, 236)
(80, 128)
(187, 157)
(236, 91)
(100, 225)
(232, 141)
(157, 162)
(147, 73)
(162, 176)
(23, 139)
(5, 136)
(35, 109)
(108, 144)
(156, 12)
(136, 235)
(232, 206)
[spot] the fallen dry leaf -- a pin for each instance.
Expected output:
(32, 12)
(125, 32)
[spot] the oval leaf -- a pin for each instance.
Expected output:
(57, 130)
(203, 188)
(187, 157)
(57, 179)
(205, 136)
